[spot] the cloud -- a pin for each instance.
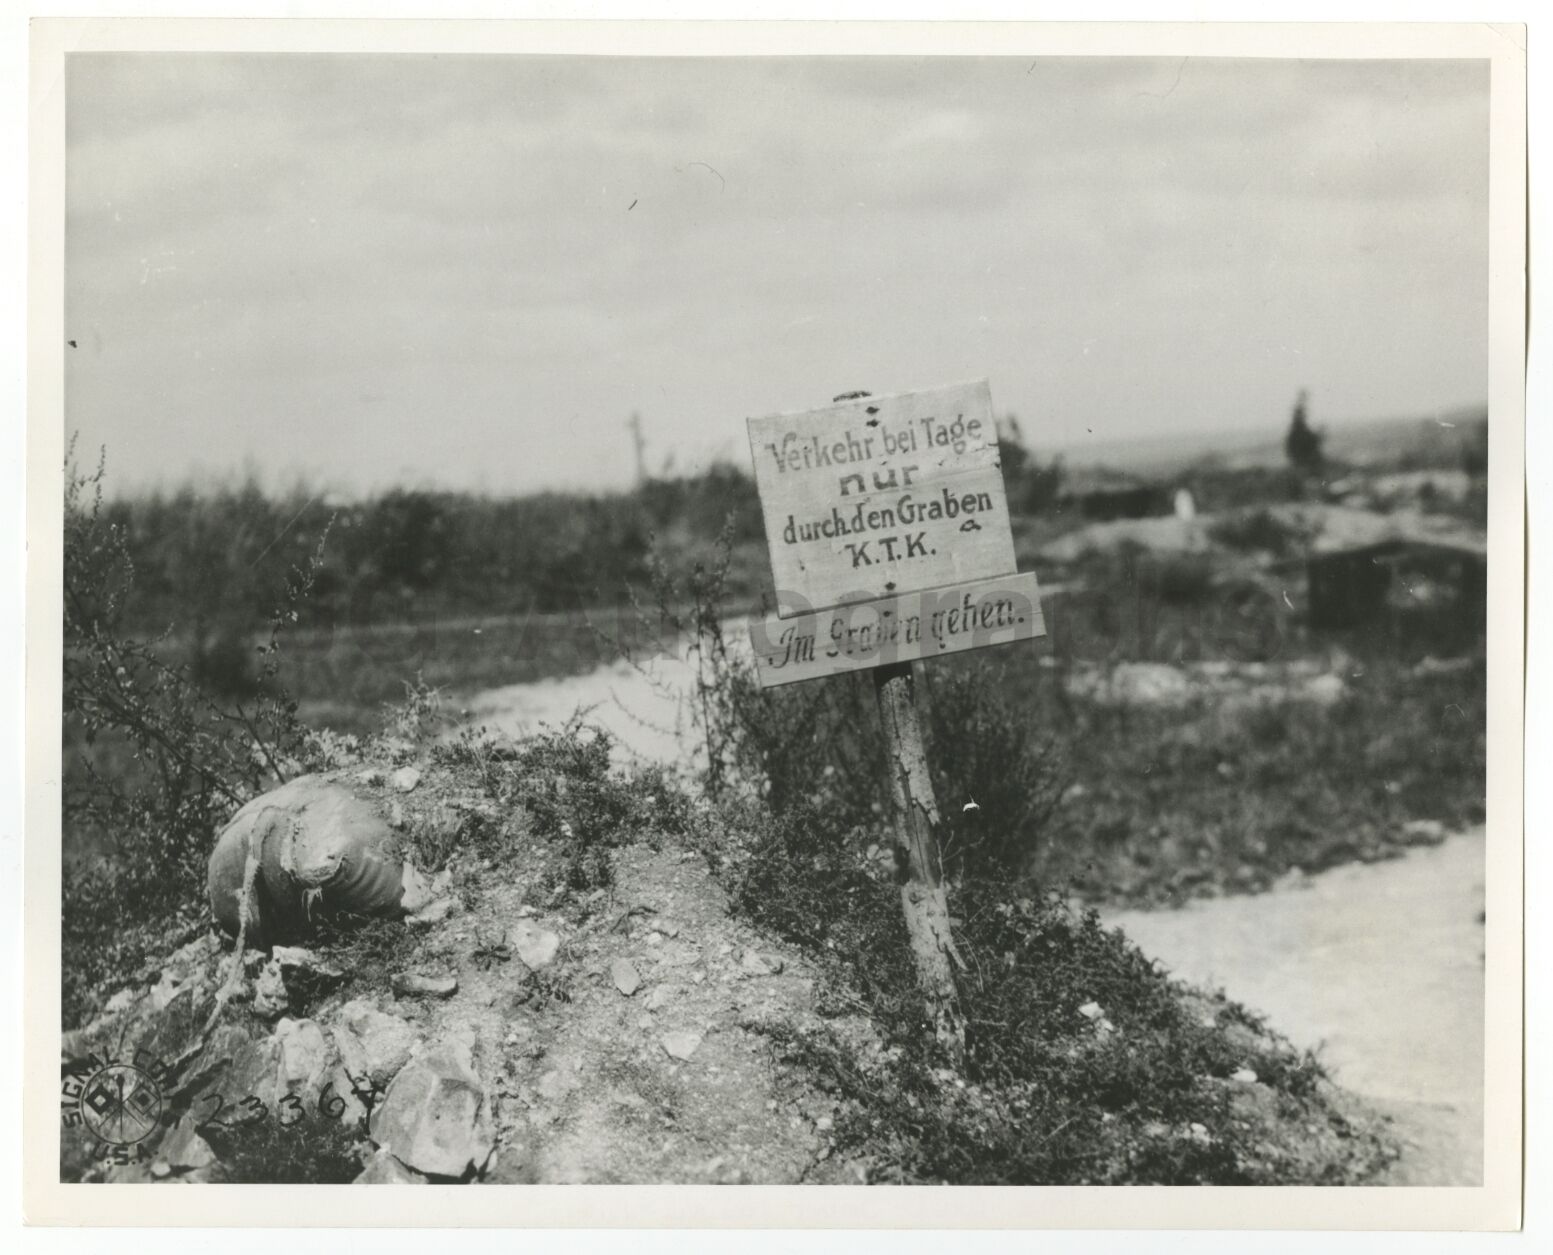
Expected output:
(257, 244)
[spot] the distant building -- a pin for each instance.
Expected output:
(1352, 586)
(1104, 495)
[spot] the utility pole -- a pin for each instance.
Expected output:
(641, 447)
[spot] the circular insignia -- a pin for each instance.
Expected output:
(121, 1104)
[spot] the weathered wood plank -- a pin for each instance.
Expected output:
(924, 899)
(921, 624)
(880, 496)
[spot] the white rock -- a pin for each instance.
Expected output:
(304, 1057)
(435, 1117)
(377, 1044)
(1326, 690)
(294, 956)
(121, 1001)
(1091, 1011)
(433, 912)
(1149, 684)
(536, 946)
(681, 1045)
(184, 1148)
(1245, 1076)
(270, 999)
(418, 890)
(1423, 831)
(385, 1169)
(413, 985)
(627, 979)
(406, 778)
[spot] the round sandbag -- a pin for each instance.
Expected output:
(322, 850)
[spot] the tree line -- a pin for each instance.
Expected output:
(209, 560)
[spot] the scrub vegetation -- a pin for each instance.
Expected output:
(220, 642)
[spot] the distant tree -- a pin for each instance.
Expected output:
(1474, 450)
(1011, 449)
(412, 534)
(1032, 487)
(1043, 485)
(1302, 444)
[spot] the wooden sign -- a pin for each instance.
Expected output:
(890, 542)
(881, 496)
(920, 624)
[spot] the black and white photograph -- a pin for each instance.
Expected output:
(841, 618)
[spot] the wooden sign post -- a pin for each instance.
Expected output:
(890, 542)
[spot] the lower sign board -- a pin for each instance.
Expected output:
(915, 625)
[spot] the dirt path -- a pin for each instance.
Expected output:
(644, 705)
(640, 706)
(1379, 966)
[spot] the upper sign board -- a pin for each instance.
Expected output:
(881, 496)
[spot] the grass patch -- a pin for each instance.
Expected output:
(1168, 804)
(344, 677)
(1085, 1065)
(310, 1150)
(560, 788)
(371, 949)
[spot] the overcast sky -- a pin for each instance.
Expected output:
(468, 272)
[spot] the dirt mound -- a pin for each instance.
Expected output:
(1159, 535)
(1318, 527)
(630, 1046)
(1226, 686)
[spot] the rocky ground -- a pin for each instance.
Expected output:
(510, 1037)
